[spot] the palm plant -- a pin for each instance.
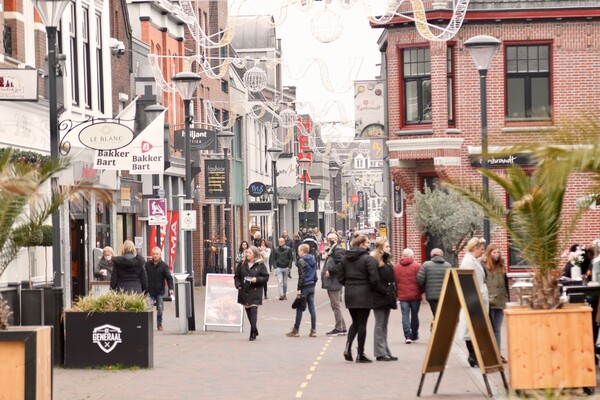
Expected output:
(536, 224)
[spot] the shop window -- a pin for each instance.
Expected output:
(528, 83)
(416, 76)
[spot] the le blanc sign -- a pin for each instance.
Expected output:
(106, 136)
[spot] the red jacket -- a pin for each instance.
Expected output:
(405, 275)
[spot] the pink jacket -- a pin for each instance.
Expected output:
(405, 275)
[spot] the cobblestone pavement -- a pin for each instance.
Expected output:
(225, 365)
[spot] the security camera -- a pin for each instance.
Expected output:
(117, 47)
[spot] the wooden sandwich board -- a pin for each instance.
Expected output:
(461, 292)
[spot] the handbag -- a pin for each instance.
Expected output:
(391, 296)
(299, 302)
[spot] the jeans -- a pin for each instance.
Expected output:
(410, 318)
(496, 318)
(335, 297)
(282, 277)
(309, 292)
(160, 306)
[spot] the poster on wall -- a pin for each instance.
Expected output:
(221, 307)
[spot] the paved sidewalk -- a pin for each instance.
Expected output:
(225, 365)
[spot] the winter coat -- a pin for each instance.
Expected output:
(251, 294)
(405, 274)
(282, 257)
(334, 258)
(431, 277)
(358, 273)
(497, 283)
(386, 278)
(289, 243)
(470, 262)
(103, 264)
(157, 275)
(129, 274)
(307, 271)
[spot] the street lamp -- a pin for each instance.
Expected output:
(275, 152)
(186, 83)
(225, 138)
(51, 12)
(482, 49)
(305, 162)
(152, 112)
(334, 171)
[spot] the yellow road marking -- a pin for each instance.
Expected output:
(304, 384)
(308, 377)
(298, 394)
(313, 369)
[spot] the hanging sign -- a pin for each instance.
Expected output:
(257, 189)
(147, 150)
(398, 198)
(18, 84)
(157, 211)
(361, 201)
(200, 139)
(214, 173)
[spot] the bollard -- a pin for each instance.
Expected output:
(181, 300)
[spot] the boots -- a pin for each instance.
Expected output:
(472, 359)
(348, 352)
(293, 333)
(252, 336)
(361, 358)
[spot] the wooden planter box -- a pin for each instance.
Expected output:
(550, 349)
(101, 339)
(26, 363)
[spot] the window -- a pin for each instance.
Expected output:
(224, 86)
(416, 74)
(450, 84)
(528, 83)
(85, 35)
(99, 68)
(225, 116)
(359, 162)
(73, 56)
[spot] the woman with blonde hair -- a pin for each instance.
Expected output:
(381, 303)
(103, 270)
(129, 274)
(497, 283)
(475, 249)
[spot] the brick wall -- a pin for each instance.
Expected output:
(121, 66)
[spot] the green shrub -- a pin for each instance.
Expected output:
(111, 301)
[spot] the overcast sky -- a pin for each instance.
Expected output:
(357, 44)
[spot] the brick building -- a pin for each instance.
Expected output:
(543, 75)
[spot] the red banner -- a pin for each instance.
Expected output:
(173, 233)
(163, 235)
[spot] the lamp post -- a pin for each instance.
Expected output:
(186, 83)
(50, 12)
(334, 171)
(152, 112)
(482, 49)
(275, 152)
(305, 162)
(225, 138)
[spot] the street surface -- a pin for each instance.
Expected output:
(225, 365)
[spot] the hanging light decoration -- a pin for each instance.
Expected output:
(288, 118)
(326, 26)
(255, 79)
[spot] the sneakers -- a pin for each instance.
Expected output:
(344, 332)
(293, 333)
(313, 333)
(408, 341)
(415, 338)
(334, 332)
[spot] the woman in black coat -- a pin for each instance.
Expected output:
(250, 277)
(382, 305)
(129, 274)
(358, 273)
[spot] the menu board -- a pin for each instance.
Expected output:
(215, 178)
(221, 307)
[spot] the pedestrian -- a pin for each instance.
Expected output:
(330, 282)
(358, 273)
(409, 294)
(250, 276)
(297, 243)
(497, 283)
(128, 273)
(103, 271)
(158, 274)
(307, 279)
(265, 253)
(303, 233)
(288, 240)
(282, 260)
(431, 278)
(342, 243)
(475, 249)
(241, 255)
(256, 239)
(381, 305)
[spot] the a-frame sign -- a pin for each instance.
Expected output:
(461, 292)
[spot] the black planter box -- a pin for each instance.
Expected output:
(100, 339)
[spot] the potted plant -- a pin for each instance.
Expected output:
(541, 352)
(113, 329)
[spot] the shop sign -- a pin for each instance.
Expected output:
(107, 337)
(504, 161)
(106, 135)
(200, 139)
(257, 189)
(19, 84)
(214, 174)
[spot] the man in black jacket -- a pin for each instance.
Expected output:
(282, 260)
(158, 272)
(331, 283)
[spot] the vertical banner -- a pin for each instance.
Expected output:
(361, 201)
(398, 198)
(163, 236)
(173, 236)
